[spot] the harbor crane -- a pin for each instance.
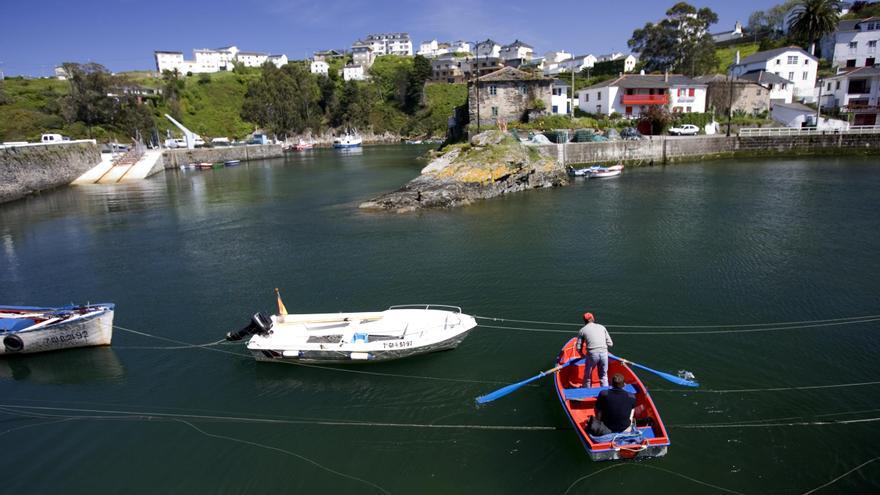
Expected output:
(188, 135)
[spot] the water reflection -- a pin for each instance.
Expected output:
(64, 367)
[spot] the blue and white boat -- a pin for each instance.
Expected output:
(350, 139)
(29, 329)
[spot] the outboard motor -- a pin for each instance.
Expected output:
(260, 324)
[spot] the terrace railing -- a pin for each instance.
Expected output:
(807, 131)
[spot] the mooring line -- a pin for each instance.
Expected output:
(751, 390)
(844, 475)
(691, 332)
(775, 425)
(648, 466)
(292, 421)
(305, 365)
(735, 325)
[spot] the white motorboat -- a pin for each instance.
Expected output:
(606, 172)
(28, 329)
(398, 332)
(350, 139)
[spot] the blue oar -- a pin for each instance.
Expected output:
(501, 392)
(667, 376)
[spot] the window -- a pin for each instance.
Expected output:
(494, 111)
(598, 95)
(837, 86)
(829, 87)
(629, 110)
(555, 109)
(778, 61)
(688, 109)
(791, 76)
(586, 96)
(691, 92)
(869, 62)
(792, 59)
(851, 62)
(806, 75)
(853, 44)
(493, 90)
(784, 87)
(598, 108)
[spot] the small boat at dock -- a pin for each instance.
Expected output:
(647, 436)
(350, 139)
(606, 172)
(204, 165)
(29, 329)
(302, 145)
(397, 332)
(232, 163)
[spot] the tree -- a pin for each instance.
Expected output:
(659, 118)
(87, 100)
(355, 105)
(419, 74)
(678, 43)
(172, 87)
(770, 23)
(284, 101)
(813, 19)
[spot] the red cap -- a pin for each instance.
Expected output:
(588, 316)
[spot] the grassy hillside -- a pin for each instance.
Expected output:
(33, 108)
(726, 56)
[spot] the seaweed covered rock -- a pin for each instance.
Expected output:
(492, 164)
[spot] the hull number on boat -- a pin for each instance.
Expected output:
(397, 345)
(60, 339)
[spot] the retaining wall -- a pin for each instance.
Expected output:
(33, 168)
(661, 149)
(177, 157)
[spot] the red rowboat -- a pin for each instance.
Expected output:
(648, 439)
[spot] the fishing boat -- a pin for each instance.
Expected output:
(646, 438)
(232, 163)
(606, 172)
(397, 332)
(204, 165)
(302, 145)
(582, 172)
(29, 329)
(413, 141)
(350, 139)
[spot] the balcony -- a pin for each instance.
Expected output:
(644, 99)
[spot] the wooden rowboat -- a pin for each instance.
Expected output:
(27, 329)
(647, 439)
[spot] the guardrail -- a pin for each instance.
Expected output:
(23, 144)
(807, 131)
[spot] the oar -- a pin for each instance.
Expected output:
(501, 392)
(667, 376)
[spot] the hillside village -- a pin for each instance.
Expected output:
(759, 73)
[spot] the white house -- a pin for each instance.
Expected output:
(632, 95)
(362, 54)
(433, 49)
(460, 47)
(517, 51)
(214, 60)
(388, 44)
(856, 93)
(781, 89)
(560, 103)
(798, 115)
(319, 67)
(791, 63)
(629, 63)
(729, 36)
(488, 49)
(352, 72)
(278, 60)
(855, 43)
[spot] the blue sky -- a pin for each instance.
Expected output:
(122, 34)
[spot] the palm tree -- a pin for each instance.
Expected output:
(812, 19)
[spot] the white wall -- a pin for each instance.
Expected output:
(862, 51)
(802, 72)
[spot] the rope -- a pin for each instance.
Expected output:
(647, 466)
(741, 325)
(776, 389)
(844, 475)
(707, 332)
(30, 410)
(305, 365)
(192, 346)
(777, 425)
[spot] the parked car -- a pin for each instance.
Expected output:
(684, 130)
(51, 138)
(630, 134)
(220, 141)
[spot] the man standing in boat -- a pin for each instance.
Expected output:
(593, 342)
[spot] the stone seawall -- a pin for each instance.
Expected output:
(176, 158)
(33, 168)
(662, 149)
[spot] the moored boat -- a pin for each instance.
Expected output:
(303, 145)
(606, 172)
(28, 329)
(350, 139)
(646, 438)
(232, 163)
(397, 332)
(204, 165)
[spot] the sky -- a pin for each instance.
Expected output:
(122, 34)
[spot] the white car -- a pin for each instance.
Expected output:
(684, 130)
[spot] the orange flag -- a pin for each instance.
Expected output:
(281, 309)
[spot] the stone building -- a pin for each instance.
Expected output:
(507, 94)
(740, 94)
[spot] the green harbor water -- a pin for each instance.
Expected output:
(190, 255)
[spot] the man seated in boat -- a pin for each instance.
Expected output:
(614, 409)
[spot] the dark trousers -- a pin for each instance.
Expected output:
(597, 428)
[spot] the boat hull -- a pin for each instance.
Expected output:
(87, 331)
(346, 145)
(655, 441)
(396, 333)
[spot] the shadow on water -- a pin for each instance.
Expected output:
(71, 366)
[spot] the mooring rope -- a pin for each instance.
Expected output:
(183, 344)
(771, 389)
(691, 332)
(734, 325)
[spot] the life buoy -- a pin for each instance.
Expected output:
(13, 343)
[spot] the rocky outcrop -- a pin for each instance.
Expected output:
(491, 165)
